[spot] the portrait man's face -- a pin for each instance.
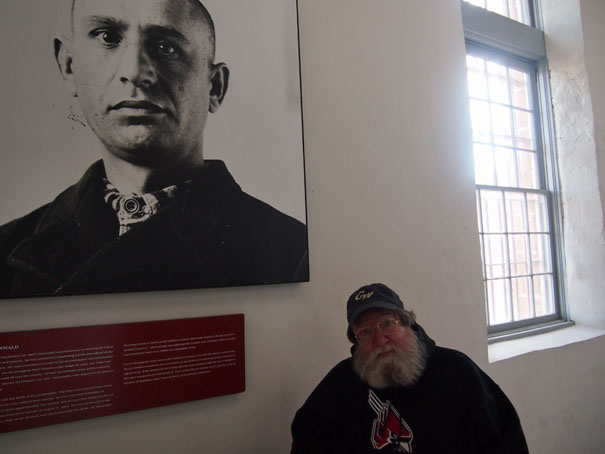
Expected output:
(144, 75)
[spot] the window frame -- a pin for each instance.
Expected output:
(531, 10)
(490, 34)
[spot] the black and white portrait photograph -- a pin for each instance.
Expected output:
(150, 145)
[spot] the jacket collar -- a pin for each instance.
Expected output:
(78, 231)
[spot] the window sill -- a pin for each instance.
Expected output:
(510, 348)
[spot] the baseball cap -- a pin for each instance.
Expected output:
(370, 297)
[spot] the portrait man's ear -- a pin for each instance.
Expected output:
(65, 61)
(219, 78)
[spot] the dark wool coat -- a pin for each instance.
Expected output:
(454, 408)
(213, 235)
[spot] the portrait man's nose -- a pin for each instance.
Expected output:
(135, 66)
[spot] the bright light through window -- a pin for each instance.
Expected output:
(517, 10)
(512, 201)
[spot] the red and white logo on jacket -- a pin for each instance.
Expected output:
(389, 428)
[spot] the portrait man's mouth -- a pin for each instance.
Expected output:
(138, 108)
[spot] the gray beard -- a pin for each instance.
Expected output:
(403, 368)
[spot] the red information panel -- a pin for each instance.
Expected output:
(60, 375)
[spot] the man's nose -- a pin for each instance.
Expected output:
(379, 338)
(136, 66)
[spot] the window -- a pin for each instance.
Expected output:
(515, 172)
(518, 10)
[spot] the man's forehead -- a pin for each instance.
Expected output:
(374, 314)
(144, 11)
(74, 3)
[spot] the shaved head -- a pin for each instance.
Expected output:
(145, 77)
(201, 12)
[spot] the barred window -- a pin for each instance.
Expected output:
(515, 175)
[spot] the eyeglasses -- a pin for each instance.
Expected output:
(388, 327)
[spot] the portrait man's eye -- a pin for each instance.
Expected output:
(109, 38)
(166, 49)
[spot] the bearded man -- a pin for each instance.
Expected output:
(400, 393)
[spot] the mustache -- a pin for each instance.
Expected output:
(380, 350)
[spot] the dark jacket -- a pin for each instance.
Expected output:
(453, 408)
(213, 235)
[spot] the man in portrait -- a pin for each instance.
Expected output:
(152, 213)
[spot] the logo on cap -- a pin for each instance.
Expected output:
(363, 296)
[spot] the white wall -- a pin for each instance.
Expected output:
(390, 197)
(593, 12)
(569, 54)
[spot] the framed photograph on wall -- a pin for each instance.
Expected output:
(150, 145)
